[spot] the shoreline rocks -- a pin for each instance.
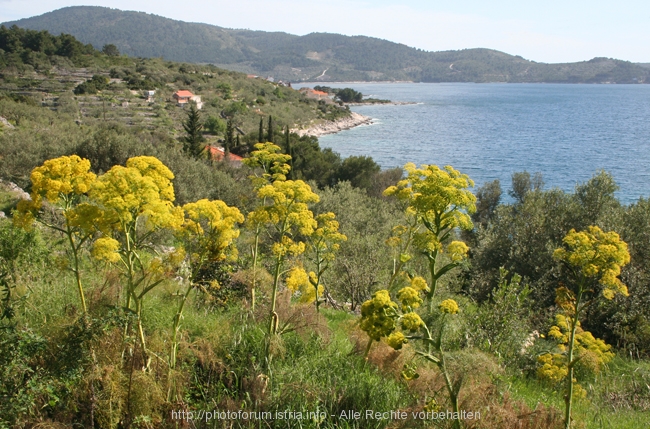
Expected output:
(331, 127)
(388, 103)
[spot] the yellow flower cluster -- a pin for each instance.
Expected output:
(586, 346)
(326, 238)
(378, 315)
(396, 236)
(25, 213)
(409, 371)
(210, 227)
(287, 246)
(592, 352)
(448, 306)
(457, 251)
(396, 340)
(271, 160)
(410, 298)
(289, 211)
(142, 189)
(59, 181)
(427, 241)
(434, 192)
(106, 249)
(432, 406)
(553, 367)
(87, 217)
(298, 281)
(419, 283)
(289, 204)
(153, 168)
(598, 255)
(412, 322)
(61, 176)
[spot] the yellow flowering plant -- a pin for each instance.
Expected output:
(323, 243)
(64, 183)
(593, 260)
(284, 213)
(207, 235)
(400, 242)
(438, 200)
(273, 164)
(436, 354)
(381, 318)
(590, 353)
(136, 201)
(300, 282)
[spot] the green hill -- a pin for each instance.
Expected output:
(301, 58)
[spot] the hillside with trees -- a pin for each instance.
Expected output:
(304, 58)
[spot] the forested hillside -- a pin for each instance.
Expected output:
(304, 58)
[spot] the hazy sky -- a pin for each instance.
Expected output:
(545, 31)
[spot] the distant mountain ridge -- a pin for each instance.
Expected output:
(322, 56)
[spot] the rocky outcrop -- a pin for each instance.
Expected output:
(15, 190)
(5, 123)
(331, 127)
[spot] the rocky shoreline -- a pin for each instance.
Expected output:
(331, 127)
(387, 103)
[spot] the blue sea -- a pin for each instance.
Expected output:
(489, 131)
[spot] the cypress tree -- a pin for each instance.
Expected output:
(260, 138)
(287, 147)
(269, 135)
(230, 137)
(193, 140)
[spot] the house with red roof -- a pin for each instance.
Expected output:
(318, 95)
(184, 96)
(218, 154)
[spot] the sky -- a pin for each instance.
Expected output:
(548, 31)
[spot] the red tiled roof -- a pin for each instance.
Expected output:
(320, 93)
(183, 93)
(217, 154)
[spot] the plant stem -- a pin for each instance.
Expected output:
(255, 252)
(367, 352)
(273, 323)
(453, 396)
(174, 346)
(434, 279)
(568, 399)
(75, 254)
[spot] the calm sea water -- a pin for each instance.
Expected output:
(489, 131)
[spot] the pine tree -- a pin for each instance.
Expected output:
(193, 141)
(269, 135)
(260, 138)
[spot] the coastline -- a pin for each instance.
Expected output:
(387, 103)
(330, 127)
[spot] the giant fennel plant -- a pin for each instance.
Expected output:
(64, 183)
(592, 261)
(436, 202)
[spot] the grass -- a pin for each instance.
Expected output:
(618, 398)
